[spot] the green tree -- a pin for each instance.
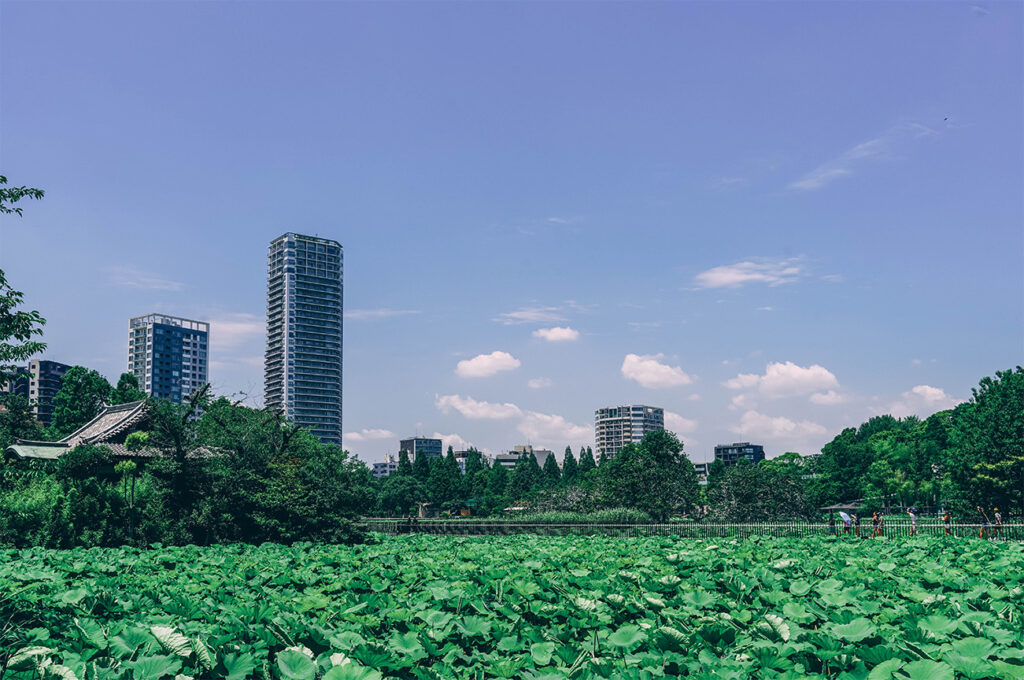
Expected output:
(497, 483)
(17, 421)
(586, 462)
(404, 466)
(986, 461)
(569, 468)
(81, 395)
(17, 328)
(654, 476)
(399, 495)
(552, 473)
(127, 390)
(421, 468)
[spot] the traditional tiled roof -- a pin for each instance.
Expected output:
(109, 428)
(109, 423)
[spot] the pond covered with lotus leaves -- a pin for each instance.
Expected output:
(523, 606)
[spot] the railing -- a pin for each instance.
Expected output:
(464, 527)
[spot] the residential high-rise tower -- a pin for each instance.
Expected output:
(303, 365)
(616, 426)
(169, 355)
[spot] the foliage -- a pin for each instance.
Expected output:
(17, 420)
(654, 476)
(82, 393)
(17, 328)
(127, 390)
(529, 607)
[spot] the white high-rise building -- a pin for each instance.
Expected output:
(169, 356)
(616, 426)
(303, 366)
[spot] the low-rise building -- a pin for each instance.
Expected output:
(385, 468)
(730, 454)
(428, 446)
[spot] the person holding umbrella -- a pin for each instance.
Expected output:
(985, 524)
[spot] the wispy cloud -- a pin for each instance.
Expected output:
(531, 315)
(228, 331)
(366, 435)
(880, 147)
(727, 183)
(539, 383)
(130, 276)
(381, 313)
(766, 271)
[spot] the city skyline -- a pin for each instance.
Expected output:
(770, 249)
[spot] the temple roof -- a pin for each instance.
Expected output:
(108, 428)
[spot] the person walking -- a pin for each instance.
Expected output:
(947, 521)
(831, 525)
(985, 523)
(997, 530)
(912, 511)
(875, 524)
(856, 525)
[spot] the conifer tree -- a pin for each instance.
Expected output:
(404, 466)
(552, 475)
(586, 462)
(569, 468)
(421, 468)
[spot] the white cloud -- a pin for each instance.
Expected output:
(766, 309)
(484, 365)
(829, 398)
(557, 334)
(754, 424)
(229, 331)
(786, 379)
(770, 272)
(453, 440)
(742, 402)
(678, 424)
(552, 430)
(880, 147)
(922, 401)
(130, 276)
(477, 410)
(539, 383)
(367, 435)
(649, 371)
(380, 313)
(531, 315)
(694, 397)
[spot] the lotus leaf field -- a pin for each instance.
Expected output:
(522, 606)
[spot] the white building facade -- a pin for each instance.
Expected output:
(617, 426)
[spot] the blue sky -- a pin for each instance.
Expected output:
(772, 219)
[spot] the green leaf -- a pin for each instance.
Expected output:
(626, 637)
(239, 666)
(937, 625)
(977, 647)
(295, 665)
(927, 670)
(474, 625)
(884, 670)
(780, 627)
(352, 671)
(407, 644)
(669, 639)
(154, 667)
(171, 640)
(855, 630)
(541, 652)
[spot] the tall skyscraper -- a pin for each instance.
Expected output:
(616, 426)
(303, 366)
(169, 355)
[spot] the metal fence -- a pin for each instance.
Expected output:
(899, 529)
